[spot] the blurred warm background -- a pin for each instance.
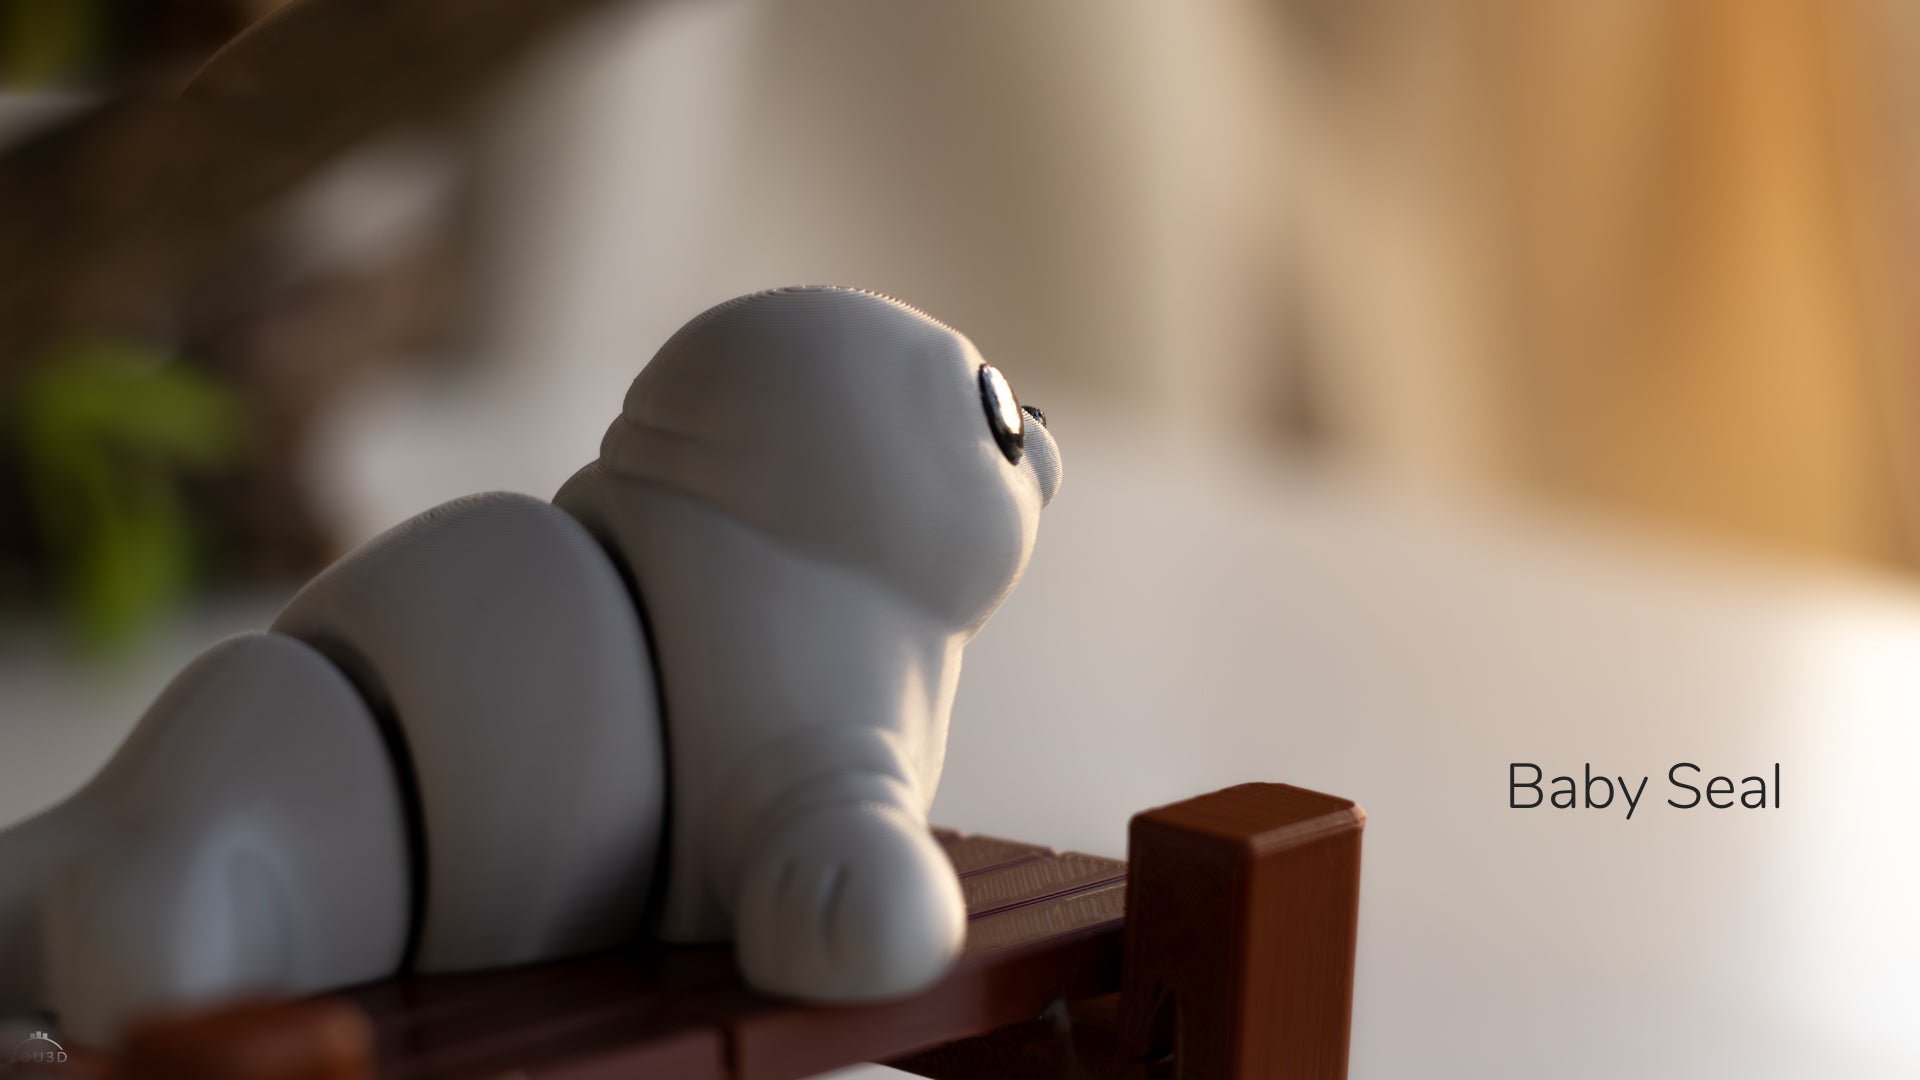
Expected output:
(1442, 384)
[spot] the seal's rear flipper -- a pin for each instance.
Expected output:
(249, 837)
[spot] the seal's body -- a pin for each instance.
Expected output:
(749, 612)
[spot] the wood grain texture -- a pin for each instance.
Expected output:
(979, 854)
(1023, 883)
(308, 1040)
(1241, 918)
(1239, 954)
(1043, 926)
(1073, 1042)
(1243, 915)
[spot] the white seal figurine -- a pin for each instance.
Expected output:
(460, 747)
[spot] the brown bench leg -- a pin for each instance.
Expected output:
(1242, 914)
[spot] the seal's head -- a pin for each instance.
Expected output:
(818, 495)
(854, 429)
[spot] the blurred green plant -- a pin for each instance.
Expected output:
(106, 430)
(43, 42)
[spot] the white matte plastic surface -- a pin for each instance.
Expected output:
(499, 638)
(806, 489)
(248, 837)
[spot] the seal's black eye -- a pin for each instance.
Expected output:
(1004, 417)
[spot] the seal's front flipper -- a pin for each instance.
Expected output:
(849, 902)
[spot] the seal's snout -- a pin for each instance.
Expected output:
(1042, 455)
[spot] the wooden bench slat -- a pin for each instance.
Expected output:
(1034, 955)
(973, 855)
(1042, 925)
(1263, 872)
(1021, 883)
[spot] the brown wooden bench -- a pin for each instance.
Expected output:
(1223, 948)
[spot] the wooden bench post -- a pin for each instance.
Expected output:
(1242, 916)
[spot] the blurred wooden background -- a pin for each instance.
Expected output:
(1646, 259)
(1654, 257)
